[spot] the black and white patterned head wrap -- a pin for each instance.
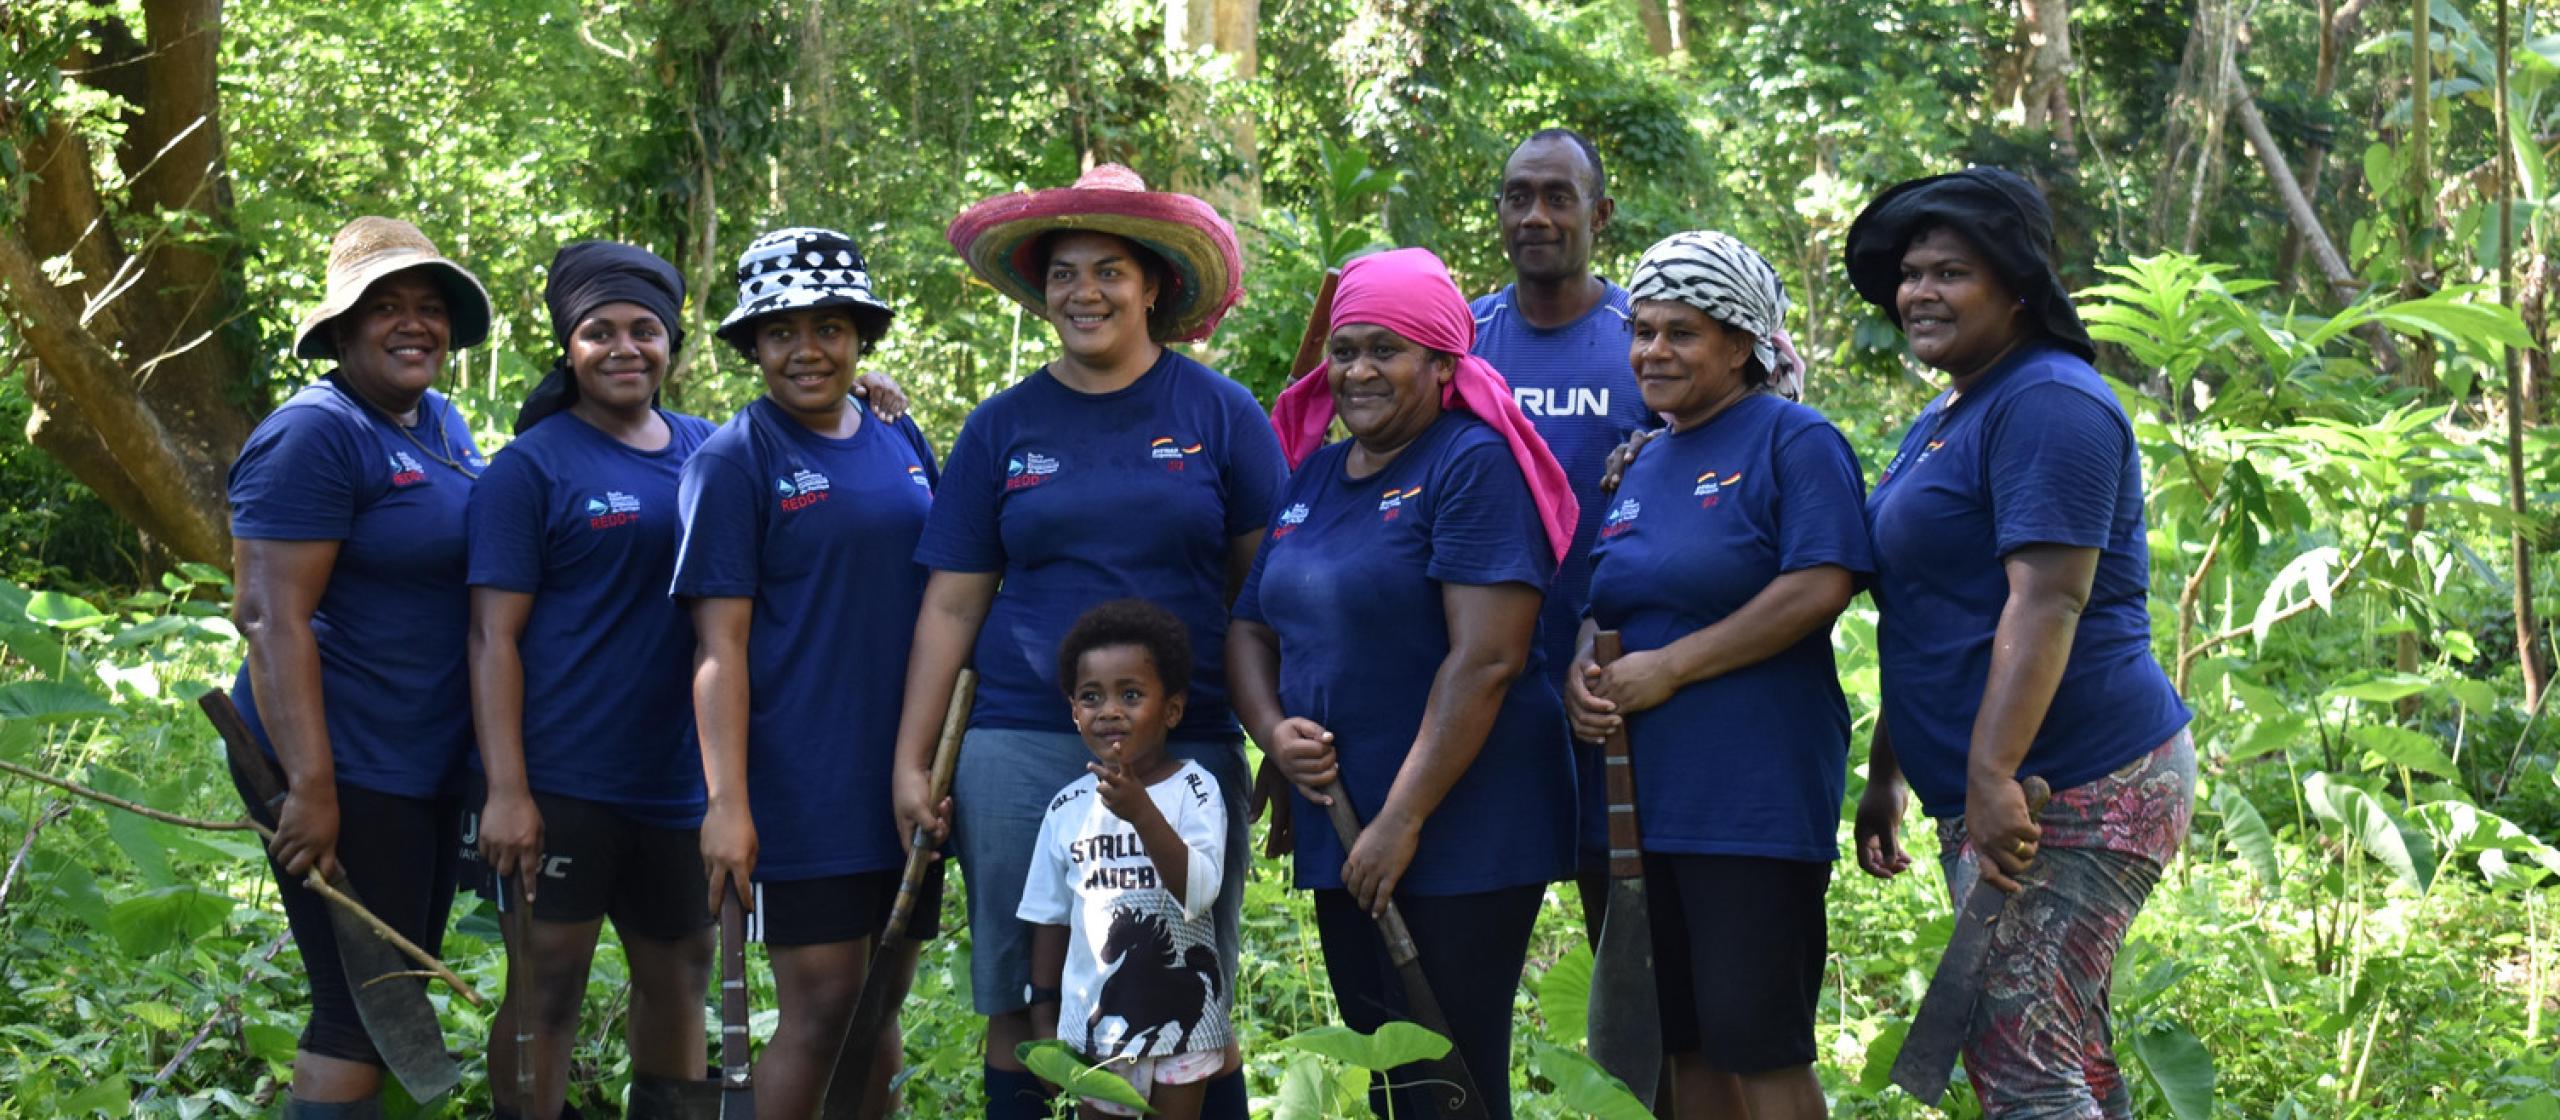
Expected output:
(803, 267)
(1734, 285)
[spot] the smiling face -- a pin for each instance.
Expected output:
(1099, 293)
(808, 359)
(392, 343)
(1386, 387)
(1688, 364)
(1550, 209)
(1121, 706)
(1958, 314)
(618, 353)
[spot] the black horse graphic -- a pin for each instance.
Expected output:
(1159, 994)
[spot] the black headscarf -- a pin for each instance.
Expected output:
(586, 275)
(2005, 218)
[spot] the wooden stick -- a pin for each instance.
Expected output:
(318, 885)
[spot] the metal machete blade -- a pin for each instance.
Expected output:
(1625, 1011)
(1938, 1032)
(393, 1006)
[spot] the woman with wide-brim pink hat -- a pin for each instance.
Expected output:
(1118, 469)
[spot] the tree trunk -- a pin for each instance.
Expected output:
(1661, 19)
(1228, 28)
(2046, 24)
(138, 390)
(2337, 22)
(2520, 541)
(2191, 177)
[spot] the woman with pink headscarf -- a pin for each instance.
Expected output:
(1387, 637)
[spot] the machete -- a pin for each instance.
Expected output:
(737, 1081)
(1938, 1032)
(1625, 1011)
(893, 956)
(1450, 1082)
(393, 1007)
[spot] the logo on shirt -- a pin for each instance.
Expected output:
(1392, 503)
(915, 474)
(612, 508)
(1170, 451)
(804, 488)
(1573, 401)
(1711, 487)
(1926, 450)
(1290, 519)
(1622, 517)
(1027, 470)
(405, 471)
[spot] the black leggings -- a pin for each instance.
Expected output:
(400, 855)
(1472, 948)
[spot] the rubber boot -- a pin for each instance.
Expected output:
(666, 1098)
(296, 1108)
(1016, 1094)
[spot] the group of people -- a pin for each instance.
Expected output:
(637, 664)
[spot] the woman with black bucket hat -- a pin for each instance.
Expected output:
(800, 522)
(2013, 633)
(590, 785)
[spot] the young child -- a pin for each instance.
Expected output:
(1124, 961)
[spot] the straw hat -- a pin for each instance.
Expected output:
(370, 248)
(802, 268)
(1205, 269)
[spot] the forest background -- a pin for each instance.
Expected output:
(2321, 259)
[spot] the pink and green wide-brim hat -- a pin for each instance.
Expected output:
(1204, 268)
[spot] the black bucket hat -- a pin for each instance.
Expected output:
(802, 268)
(2001, 213)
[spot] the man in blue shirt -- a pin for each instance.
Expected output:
(1559, 334)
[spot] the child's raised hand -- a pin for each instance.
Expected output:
(1121, 791)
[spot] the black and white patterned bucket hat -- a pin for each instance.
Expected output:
(800, 268)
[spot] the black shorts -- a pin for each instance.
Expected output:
(841, 908)
(1472, 948)
(600, 862)
(1739, 944)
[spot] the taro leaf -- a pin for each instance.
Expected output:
(2271, 735)
(2399, 746)
(1059, 1066)
(2464, 829)
(63, 612)
(150, 922)
(2544, 1107)
(271, 1042)
(74, 886)
(2479, 696)
(1878, 1072)
(2247, 834)
(1586, 1089)
(1397, 1043)
(1564, 997)
(2384, 836)
(1309, 1091)
(35, 647)
(155, 1015)
(142, 843)
(109, 1094)
(50, 702)
(2385, 689)
(2180, 1066)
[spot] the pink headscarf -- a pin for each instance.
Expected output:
(1408, 291)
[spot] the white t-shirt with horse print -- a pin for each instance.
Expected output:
(1142, 969)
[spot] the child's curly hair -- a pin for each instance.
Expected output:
(1130, 622)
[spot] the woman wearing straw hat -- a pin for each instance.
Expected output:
(1120, 469)
(800, 520)
(1387, 638)
(590, 783)
(347, 524)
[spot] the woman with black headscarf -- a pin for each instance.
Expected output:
(2014, 637)
(591, 785)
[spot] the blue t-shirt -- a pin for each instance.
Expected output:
(1079, 499)
(1350, 579)
(392, 623)
(1580, 392)
(587, 526)
(2038, 452)
(821, 533)
(1752, 762)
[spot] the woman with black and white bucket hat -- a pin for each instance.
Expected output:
(800, 523)
(347, 525)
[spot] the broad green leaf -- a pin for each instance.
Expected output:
(109, 1094)
(1878, 1072)
(2464, 829)
(2543, 1107)
(2271, 736)
(2389, 688)
(1309, 1090)
(63, 612)
(2180, 1066)
(2399, 746)
(2479, 696)
(1059, 1066)
(1396, 1043)
(2246, 832)
(50, 702)
(141, 841)
(1564, 997)
(155, 1015)
(2309, 571)
(2383, 835)
(35, 645)
(151, 922)
(271, 1042)
(1585, 1088)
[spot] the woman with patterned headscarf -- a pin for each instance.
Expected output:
(1387, 637)
(2014, 633)
(1729, 547)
